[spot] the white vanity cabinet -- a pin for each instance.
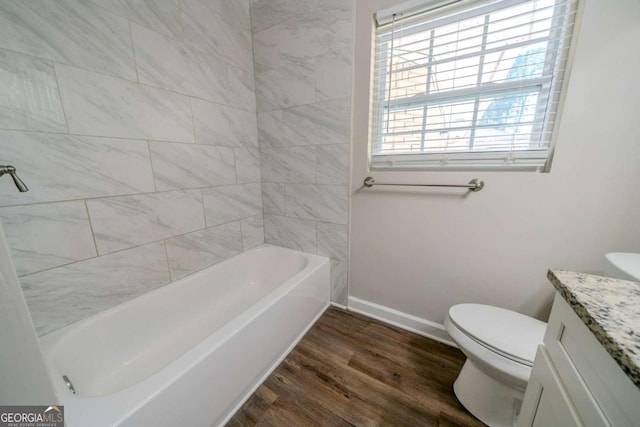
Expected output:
(575, 381)
(546, 400)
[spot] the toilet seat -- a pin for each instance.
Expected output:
(509, 334)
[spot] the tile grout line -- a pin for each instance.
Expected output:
(124, 79)
(64, 114)
(166, 257)
(235, 165)
(134, 138)
(241, 236)
(183, 35)
(153, 172)
(148, 193)
(122, 16)
(204, 211)
(128, 80)
(93, 233)
(55, 61)
(133, 51)
(306, 104)
(253, 59)
(137, 246)
(186, 95)
(317, 233)
(120, 138)
(193, 121)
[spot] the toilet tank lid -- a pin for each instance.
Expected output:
(508, 332)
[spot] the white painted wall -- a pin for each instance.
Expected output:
(421, 251)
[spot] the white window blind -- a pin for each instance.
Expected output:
(471, 84)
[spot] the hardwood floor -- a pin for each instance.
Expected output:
(350, 370)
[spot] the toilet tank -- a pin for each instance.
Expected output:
(622, 265)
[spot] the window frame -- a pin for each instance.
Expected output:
(537, 157)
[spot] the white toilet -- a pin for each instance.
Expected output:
(500, 346)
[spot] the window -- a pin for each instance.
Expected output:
(471, 84)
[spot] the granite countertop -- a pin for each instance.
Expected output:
(611, 310)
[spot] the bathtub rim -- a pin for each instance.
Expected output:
(47, 340)
(126, 401)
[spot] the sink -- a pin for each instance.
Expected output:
(622, 265)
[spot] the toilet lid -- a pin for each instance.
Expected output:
(506, 332)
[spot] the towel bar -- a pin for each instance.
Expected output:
(474, 185)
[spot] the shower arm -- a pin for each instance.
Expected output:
(17, 181)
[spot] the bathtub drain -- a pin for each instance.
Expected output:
(69, 384)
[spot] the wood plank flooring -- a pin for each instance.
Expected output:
(350, 370)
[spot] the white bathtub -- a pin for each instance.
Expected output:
(189, 353)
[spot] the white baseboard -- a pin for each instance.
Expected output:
(402, 320)
(335, 304)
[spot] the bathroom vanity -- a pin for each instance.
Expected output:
(587, 372)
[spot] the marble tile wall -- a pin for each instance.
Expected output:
(134, 125)
(302, 58)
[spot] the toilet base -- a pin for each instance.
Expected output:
(492, 402)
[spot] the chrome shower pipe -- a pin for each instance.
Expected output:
(12, 171)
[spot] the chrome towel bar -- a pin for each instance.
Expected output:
(474, 185)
